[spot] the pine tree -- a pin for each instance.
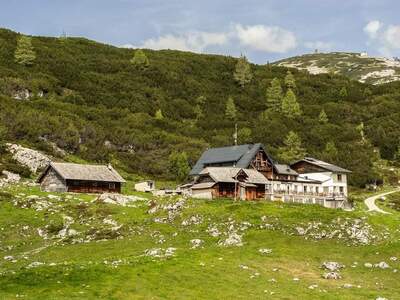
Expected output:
(290, 106)
(198, 112)
(274, 96)
(330, 153)
(397, 154)
(360, 129)
(242, 72)
(179, 166)
(140, 59)
(230, 111)
(24, 53)
(244, 135)
(292, 149)
(159, 115)
(323, 118)
(343, 93)
(290, 82)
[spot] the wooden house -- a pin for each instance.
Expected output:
(78, 178)
(249, 156)
(229, 182)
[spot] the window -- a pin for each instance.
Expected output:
(317, 189)
(341, 190)
(305, 189)
(339, 177)
(111, 186)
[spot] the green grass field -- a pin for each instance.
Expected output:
(105, 257)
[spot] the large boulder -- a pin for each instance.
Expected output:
(32, 159)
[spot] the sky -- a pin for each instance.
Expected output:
(263, 30)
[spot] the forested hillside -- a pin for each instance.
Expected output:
(93, 101)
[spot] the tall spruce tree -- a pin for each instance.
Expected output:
(24, 53)
(274, 96)
(290, 106)
(292, 149)
(323, 117)
(242, 73)
(230, 110)
(330, 153)
(290, 82)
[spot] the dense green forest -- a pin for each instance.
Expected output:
(102, 103)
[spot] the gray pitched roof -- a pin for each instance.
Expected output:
(71, 171)
(239, 156)
(228, 174)
(324, 165)
(285, 170)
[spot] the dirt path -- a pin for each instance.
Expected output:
(370, 202)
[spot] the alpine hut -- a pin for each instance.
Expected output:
(78, 178)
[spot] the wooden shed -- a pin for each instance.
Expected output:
(78, 178)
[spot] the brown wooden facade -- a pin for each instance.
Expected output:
(82, 186)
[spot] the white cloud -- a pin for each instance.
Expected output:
(266, 38)
(391, 37)
(372, 28)
(196, 41)
(319, 45)
(385, 38)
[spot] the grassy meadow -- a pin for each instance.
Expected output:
(106, 253)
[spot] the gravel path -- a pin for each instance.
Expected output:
(370, 202)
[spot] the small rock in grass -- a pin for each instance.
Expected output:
(332, 266)
(382, 265)
(347, 285)
(393, 258)
(368, 265)
(332, 275)
(196, 243)
(313, 286)
(265, 251)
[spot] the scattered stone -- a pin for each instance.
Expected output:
(347, 285)
(265, 251)
(332, 275)
(196, 243)
(382, 265)
(118, 199)
(332, 266)
(233, 239)
(393, 258)
(368, 265)
(313, 286)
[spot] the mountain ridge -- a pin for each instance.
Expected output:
(357, 66)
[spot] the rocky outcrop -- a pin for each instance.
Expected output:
(32, 159)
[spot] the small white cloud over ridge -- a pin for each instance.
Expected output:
(266, 38)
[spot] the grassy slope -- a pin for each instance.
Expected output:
(85, 271)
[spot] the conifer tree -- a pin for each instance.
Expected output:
(244, 135)
(330, 153)
(290, 82)
(343, 93)
(292, 149)
(274, 96)
(290, 106)
(397, 154)
(140, 59)
(24, 53)
(179, 166)
(323, 117)
(230, 111)
(159, 115)
(242, 72)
